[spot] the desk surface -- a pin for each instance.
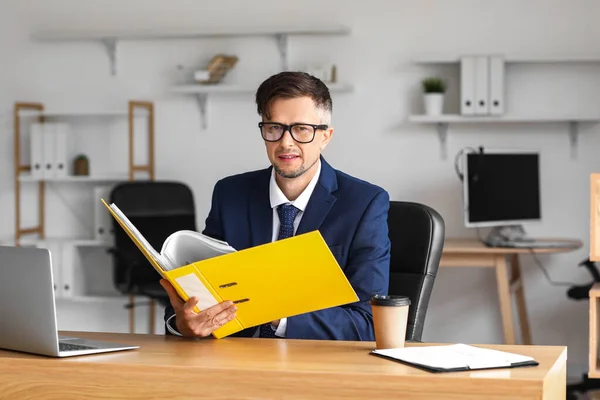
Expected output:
(475, 246)
(167, 366)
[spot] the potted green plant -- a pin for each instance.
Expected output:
(434, 89)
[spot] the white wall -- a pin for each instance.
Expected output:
(372, 139)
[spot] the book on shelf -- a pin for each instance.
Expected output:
(267, 282)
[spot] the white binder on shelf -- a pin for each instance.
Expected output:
(482, 85)
(497, 98)
(467, 85)
(48, 146)
(103, 230)
(37, 150)
(57, 259)
(70, 279)
(61, 142)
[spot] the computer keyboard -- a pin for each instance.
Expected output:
(73, 347)
(532, 244)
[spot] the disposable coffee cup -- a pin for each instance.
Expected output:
(390, 316)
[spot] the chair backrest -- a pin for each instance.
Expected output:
(157, 209)
(416, 233)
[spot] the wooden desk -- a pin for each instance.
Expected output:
(473, 253)
(171, 367)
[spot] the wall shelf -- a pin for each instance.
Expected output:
(75, 179)
(443, 121)
(109, 297)
(513, 58)
(72, 114)
(110, 38)
(64, 241)
(201, 92)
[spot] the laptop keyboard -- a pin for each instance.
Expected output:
(73, 347)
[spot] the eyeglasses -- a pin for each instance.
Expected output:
(301, 133)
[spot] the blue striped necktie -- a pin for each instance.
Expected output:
(287, 215)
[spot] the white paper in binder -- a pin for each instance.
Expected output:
(497, 106)
(467, 85)
(48, 145)
(482, 85)
(61, 141)
(37, 150)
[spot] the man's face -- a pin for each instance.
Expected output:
(290, 158)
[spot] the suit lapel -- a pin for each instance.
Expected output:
(261, 214)
(320, 201)
(317, 209)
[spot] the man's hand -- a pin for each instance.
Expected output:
(192, 324)
(276, 323)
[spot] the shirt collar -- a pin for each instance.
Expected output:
(278, 198)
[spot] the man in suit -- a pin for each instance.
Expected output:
(300, 192)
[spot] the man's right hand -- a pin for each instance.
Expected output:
(192, 324)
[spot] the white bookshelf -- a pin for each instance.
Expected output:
(82, 268)
(110, 38)
(201, 93)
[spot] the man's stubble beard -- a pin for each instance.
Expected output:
(294, 174)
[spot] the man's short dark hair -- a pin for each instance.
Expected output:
(289, 85)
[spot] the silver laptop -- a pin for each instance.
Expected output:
(28, 311)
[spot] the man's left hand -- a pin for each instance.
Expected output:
(275, 323)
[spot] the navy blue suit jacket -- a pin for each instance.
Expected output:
(352, 217)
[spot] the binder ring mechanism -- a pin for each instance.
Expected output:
(226, 285)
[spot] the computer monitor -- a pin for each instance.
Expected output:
(501, 188)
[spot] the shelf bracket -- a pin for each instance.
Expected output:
(201, 99)
(573, 137)
(282, 46)
(111, 49)
(442, 131)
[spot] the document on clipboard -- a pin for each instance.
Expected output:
(268, 282)
(455, 357)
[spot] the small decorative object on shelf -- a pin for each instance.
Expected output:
(81, 165)
(217, 68)
(434, 89)
(326, 73)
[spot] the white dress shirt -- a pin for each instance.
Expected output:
(277, 198)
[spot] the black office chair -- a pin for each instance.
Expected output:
(157, 209)
(416, 232)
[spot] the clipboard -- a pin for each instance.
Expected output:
(276, 280)
(455, 358)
